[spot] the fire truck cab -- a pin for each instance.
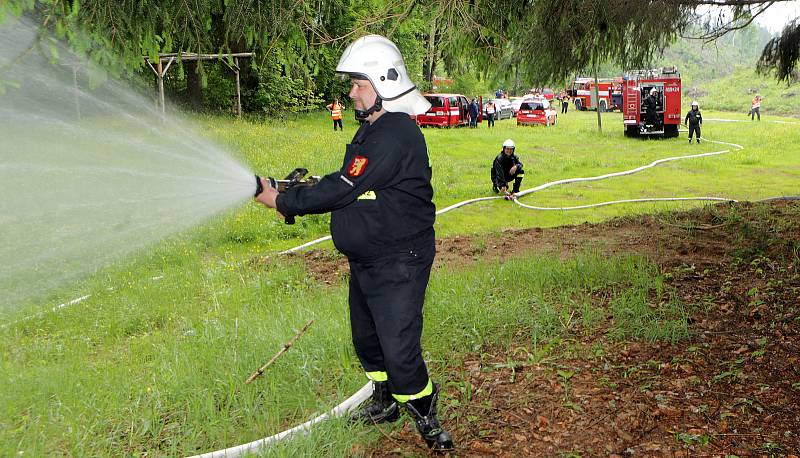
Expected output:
(447, 110)
(608, 97)
(637, 85)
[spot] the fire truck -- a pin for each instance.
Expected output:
(609, 94)
(636, 86)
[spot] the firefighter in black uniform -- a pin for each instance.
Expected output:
(382, 218)
(651, 109)
(506, 168)
(694, 120)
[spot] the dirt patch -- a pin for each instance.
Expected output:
(731, 388)
(696, 237)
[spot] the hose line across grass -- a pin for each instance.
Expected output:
(623, 173)
(251, 447)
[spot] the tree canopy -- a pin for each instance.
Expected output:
(297, 43)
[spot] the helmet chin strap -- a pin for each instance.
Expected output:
(362, 115)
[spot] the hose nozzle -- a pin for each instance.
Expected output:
(259, 187)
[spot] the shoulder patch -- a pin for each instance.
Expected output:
(357, 166)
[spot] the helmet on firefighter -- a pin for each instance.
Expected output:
(509, 144)
(653, 91)
(695, 104)
(378, 60)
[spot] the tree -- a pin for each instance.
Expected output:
(286, 35)
(781, 54)
(297, 42)
(555, 39)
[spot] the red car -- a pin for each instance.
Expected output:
(536, 111)
(447, 110)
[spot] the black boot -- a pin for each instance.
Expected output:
(381, 408)
(427, 424)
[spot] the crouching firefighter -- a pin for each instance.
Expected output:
(506, 168)
(382, 217)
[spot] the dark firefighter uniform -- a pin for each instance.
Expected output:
(501, 172)
(694, 120)
(651, 109)
(382, 220)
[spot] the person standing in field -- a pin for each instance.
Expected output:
(694, 120)
(473, 113)
(755, 108)
(490, 111)
(382, 215)
(336, 109)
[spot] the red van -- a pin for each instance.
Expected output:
(536, 111)
(447, 110)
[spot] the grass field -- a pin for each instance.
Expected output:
(734, 92)
(153, 362)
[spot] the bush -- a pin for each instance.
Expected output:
(278, 92)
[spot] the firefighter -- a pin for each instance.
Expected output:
(473, 113)
(336, 113)
(694, 120)
(651, 108)
(506, 168)
(382, 217)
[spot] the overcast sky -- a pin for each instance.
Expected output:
(778, 15)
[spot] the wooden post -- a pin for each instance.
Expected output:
(238, 89)
(160, 70)
(77, 93)
(160, 74)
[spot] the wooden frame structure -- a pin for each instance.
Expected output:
(165, 60)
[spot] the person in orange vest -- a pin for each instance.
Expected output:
(336, 113)
(491, 109)
(755, 108)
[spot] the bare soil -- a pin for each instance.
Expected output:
(731, 388)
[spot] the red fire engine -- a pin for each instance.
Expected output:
(636, 87)
(447, 110)
(609, 94)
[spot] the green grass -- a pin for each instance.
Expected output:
(157, 366)
(735, 91)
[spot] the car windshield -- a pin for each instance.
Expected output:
(532, 106)
(436, 102)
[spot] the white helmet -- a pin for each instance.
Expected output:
(695, 104)
(509, 144)
(377, 59)
(653, 91)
